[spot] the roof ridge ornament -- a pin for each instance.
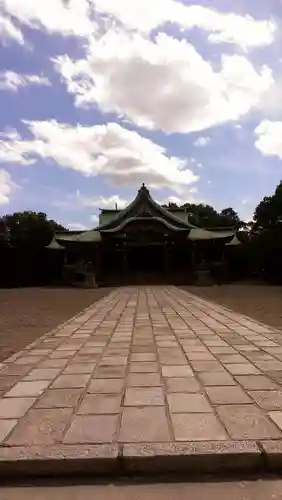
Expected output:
(144, 189)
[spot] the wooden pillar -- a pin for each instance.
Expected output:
(125, 261)
(165, 259)
(193, 256)
(98, 261)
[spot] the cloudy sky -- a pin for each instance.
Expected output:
(98, 96)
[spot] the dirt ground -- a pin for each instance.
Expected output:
(261, 302)
(29, 313)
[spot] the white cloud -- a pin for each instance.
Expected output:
(202, 141)
(271, 103)
(122, 156)
(7, 187)
(145, 16)
(112, 201)
(54, 16)
(83, 17)
(8, 31)
(76, 226)
(9, 80)
(269, 138)
(163, 84)
(95, 219)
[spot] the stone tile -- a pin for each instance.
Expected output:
(274, 350)
(39, 352)
(92, 429)
(207, 366)
(143, 367)
(28, 360)
(200, 356)
(66, 381)
(5, 428)
(12, 370)
(110, 372)
(172, 360)
(192, 343)
(147, 424)
(227, 395)
(216, 378)
(59, 398)
(256, 382)
(276, 416)
(269, 365)
(53, 363)
(106, 386)
(144, 396)
(188, 403)
(167, 343)
(15, 407)
(197, 427)
(257, 357)
(112, 354)
(145, 356)
(100, 404)
(44, 427)
(68, 347)
(142, 348)
(144, 379)
(113, 361)
(7, 383)
(90, 350)
(189, 384)
(269, 400)
(247, 422)
(177, 371)
(222, 350)
(247, 348)
(242, 369)
(25, 389)
(43, 374)
(83, 358)
(231, 358)
(76, 368)
(276, 375)
(62, 354)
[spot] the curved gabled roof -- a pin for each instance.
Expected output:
(144, 205)
(206, 234)
(89, 236)
(234, 242)
(128, 220)
(54, 245)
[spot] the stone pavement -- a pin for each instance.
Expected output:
(148, 378)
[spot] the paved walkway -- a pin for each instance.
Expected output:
(145, 372)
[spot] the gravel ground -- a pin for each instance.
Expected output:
(29, 313)
(261, 302)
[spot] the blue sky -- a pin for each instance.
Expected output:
(98, 96)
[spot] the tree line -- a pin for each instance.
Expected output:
(24, 236)
(206, 216)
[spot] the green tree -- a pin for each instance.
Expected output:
(201, 214)
(268, 213)
(266, 236)
(229, 217)
(171, 206)
(4, 233)
(31, 229)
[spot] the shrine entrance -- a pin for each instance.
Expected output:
(146, 259)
